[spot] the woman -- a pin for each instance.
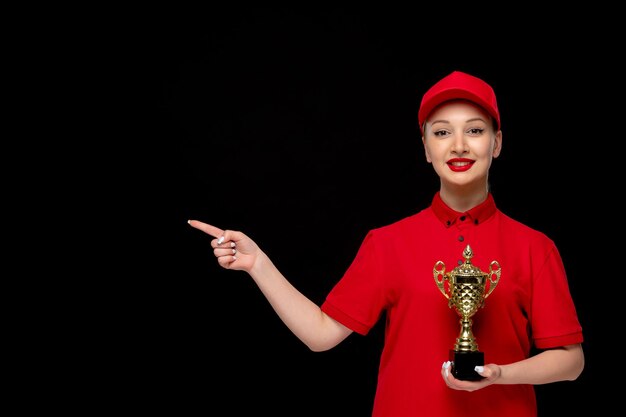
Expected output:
(527, 328)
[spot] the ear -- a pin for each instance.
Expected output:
(426, 151)
(497, 144)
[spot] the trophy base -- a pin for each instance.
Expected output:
(463, 364)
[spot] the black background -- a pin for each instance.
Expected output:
(299, 128)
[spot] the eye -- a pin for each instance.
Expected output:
(476, 131)
(441, 133)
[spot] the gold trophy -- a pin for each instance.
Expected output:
(466, 291)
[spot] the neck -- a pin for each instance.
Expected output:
(462, 199)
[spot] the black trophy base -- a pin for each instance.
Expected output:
(463, 364)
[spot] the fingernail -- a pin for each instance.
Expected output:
(446, 366)
(234, 258)
(234, 250)
(220, 240)
(188, 221)
(479, 369)
(232, 244)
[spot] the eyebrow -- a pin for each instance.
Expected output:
(474, 119)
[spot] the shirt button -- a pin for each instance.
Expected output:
(475, 221)
(462, 218)
(461, 238)
(448, 223)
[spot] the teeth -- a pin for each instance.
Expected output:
(460, 164)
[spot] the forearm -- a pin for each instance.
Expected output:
(553, 365)
(302, 316)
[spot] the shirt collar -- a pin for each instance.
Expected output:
(476, 215)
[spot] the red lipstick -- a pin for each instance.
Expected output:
(460, 164)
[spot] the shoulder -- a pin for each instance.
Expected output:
(521, 231)
(409, 224)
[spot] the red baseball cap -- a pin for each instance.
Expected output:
(459, 85)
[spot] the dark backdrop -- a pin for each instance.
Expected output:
(299, 128)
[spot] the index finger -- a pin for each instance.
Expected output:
(206, 228)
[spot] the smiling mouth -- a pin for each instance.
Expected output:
(460, 166)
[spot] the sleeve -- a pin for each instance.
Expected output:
(554, 319)
(357, 300)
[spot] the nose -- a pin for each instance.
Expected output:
(459, 144)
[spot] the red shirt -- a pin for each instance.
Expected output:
(392, 275)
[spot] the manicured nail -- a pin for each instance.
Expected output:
(446, 366)
(479, 369)
(220, 240)
(234, 251)
(188, 221)
(232, 244)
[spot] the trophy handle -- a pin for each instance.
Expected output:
(439, 270)
(493, 282)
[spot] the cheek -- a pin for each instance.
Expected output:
(435, 153)
(426, 152)
(485, 151)
(427, 155)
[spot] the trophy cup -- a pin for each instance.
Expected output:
(466, 291)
